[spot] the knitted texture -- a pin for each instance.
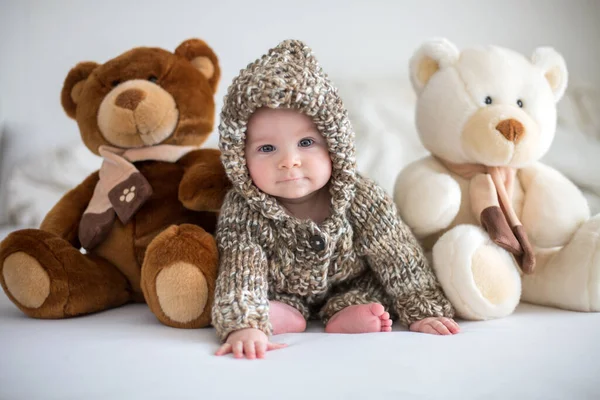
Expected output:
(396, 257)
(368, 253)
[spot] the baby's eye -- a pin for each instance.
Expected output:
(267, 148)
(306, 142)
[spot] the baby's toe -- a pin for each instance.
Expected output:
(377, 309)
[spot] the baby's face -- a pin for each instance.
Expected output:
(286, 155)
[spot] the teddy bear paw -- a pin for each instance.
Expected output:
(26, 280)
(480, 279)
(568, 277)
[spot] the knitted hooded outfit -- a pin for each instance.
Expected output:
(362, 253)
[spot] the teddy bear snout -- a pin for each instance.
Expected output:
(511, 129)
(130, 99)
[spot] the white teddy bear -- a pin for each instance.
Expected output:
(500, 225)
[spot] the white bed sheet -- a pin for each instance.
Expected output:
(125, 353)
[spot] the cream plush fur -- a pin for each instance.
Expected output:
(462, 97)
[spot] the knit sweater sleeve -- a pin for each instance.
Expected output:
(395, 256)
(241, 299)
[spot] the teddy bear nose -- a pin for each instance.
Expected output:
(130, 99)
(511, 129)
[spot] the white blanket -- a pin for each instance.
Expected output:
(537, 353)
(37, 183)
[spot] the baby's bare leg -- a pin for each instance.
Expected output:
(287, 314)
(285, 319)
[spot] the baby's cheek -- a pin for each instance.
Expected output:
(253, 169)
(262, 175)
(322, 161)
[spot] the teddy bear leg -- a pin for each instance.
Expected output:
(568, 277)
(480, 279)
(46, 277)
(178, 276)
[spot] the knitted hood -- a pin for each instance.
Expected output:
(288, 76)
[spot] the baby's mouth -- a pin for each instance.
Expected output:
(291, 180)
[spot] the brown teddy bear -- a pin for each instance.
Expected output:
(146, 219)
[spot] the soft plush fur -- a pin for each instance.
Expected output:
(166, 254)
(493, 107)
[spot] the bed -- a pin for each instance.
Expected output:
(125, 353)
(537, 353)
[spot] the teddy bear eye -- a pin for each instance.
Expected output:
(153, 79)
(115, 83)
(488, 100)
(520, 103)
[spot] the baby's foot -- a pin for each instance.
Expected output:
(285, 319)
(363, 318)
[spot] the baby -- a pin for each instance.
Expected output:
(302, 234)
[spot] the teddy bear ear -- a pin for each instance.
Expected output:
(432, 56)
(554, 68)
(73, 86)
(203, 58)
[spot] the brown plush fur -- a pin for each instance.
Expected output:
(63, 219)
(185, 243)
(202, 186)
(192, 92)
(174, 226)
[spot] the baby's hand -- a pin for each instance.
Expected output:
(436, 326)
(250, 342)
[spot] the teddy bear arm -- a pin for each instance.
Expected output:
(428, 201)
(553, 207)
(63, 219)
(204, 183)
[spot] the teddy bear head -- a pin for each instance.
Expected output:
(144, 97)
(486, 105)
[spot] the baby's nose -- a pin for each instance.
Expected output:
(290, 160)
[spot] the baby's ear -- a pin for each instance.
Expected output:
(554, 68)
(432, 56)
